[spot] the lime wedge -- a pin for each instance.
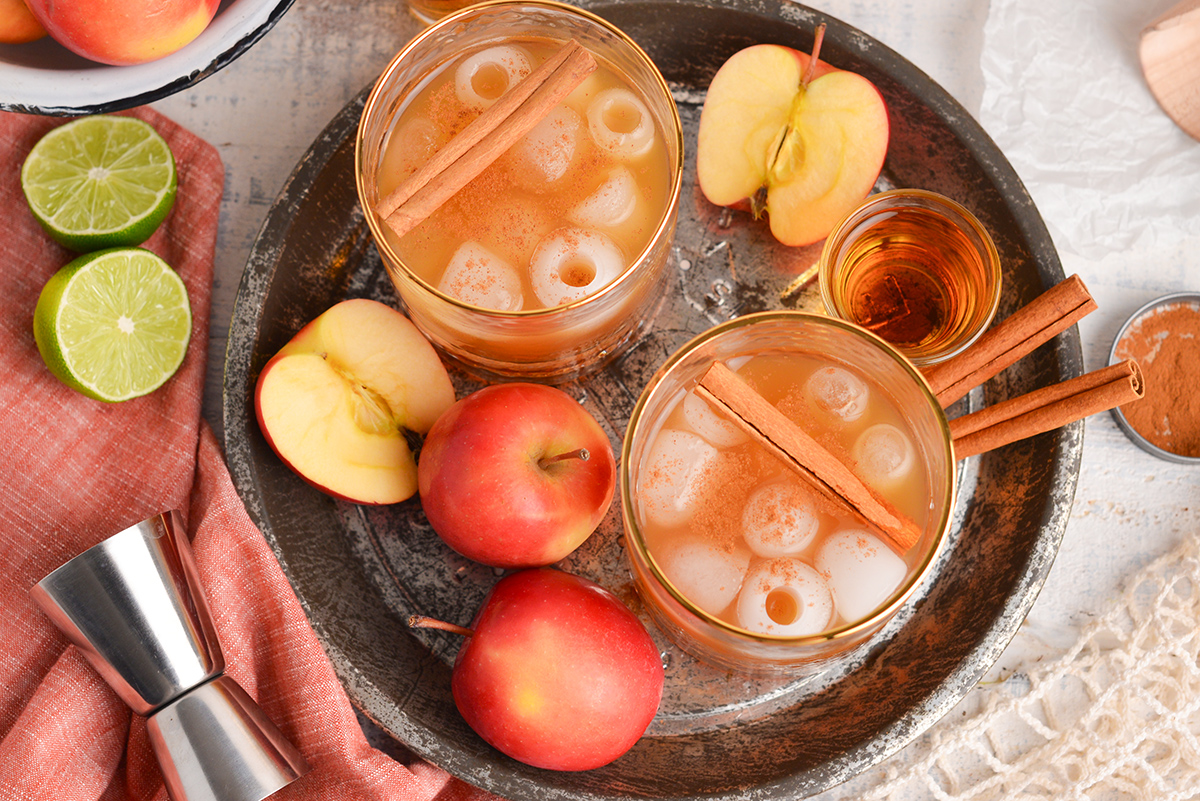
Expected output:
(100, 182)
(113, 324)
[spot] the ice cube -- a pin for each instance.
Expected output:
(785, 597)
(482, 78)
(708, 576)
(837, 394)
(883, 455)
(540, 159)
(780, 519)
(477, 276)
(620, 123)
(676, 470)
(702, 418)
(571, 263)
(611, 204)
(862, 571)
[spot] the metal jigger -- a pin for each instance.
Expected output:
(134, 607)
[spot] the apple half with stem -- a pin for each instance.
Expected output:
(338, 402)
(792, 136)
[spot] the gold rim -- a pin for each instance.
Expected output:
(371, 109)
(635, 540)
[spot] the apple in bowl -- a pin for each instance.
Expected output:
(123, 32)
(340, 400)
(516, 475)
(788, 134)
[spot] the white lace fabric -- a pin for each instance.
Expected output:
(1117, 716)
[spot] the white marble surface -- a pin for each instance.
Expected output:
(264, 110)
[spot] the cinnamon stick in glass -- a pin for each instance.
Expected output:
(793, 446)
(486, 138)
(1047, 315)
(1047, 408)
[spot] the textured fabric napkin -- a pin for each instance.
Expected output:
(74, 471)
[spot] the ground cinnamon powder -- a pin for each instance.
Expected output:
(1166, 343)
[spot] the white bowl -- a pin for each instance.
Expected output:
(44, 77)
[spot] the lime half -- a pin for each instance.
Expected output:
(113, 324)
(100, 182)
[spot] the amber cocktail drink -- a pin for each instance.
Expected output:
(741, 561)
(551, 259)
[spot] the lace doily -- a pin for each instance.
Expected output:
(1117, 716)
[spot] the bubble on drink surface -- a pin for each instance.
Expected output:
(785, 597)
(708, 576)
(477, 276)
(780, 519)
(706, 421)
(482, 78)
(539, 160)
(673, 478)
(612, 203)
(620, 123)
(861, 570)
(571, 263)
(883, 455)
(837, 393)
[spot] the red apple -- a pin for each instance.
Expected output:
(124, 32)
(336, 401)
(792, 136)
(17, 23)
(557, 673)
(503, 478)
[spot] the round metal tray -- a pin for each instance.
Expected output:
(359, 572)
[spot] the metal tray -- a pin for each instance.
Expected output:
(359, 572)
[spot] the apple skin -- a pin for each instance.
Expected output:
(123, 32)
(17, 23)
(558, 674)
(482, 487)
(831, 137)
(335, 401)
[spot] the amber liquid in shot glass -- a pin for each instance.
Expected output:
(915, 268)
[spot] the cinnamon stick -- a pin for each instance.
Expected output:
(1047, 408)
(793, 446)
(1047, 315)
(488, 136)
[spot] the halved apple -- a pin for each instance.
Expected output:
(336, 402)
(805, 145)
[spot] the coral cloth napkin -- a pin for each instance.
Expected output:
(74, 471)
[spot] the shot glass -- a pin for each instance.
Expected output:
(916, 268)
(550, 343)
(789, 346)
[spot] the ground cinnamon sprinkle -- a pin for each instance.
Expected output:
(1166, 343)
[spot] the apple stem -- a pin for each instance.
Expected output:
(816, 52)
(423, 622)
(580, 454)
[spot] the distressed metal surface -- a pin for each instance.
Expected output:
(359, 572)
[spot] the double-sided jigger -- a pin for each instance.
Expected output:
(134, 606)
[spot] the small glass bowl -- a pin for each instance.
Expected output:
(551, 344)
(704, 635)
(938, 248)
(1119, 353)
